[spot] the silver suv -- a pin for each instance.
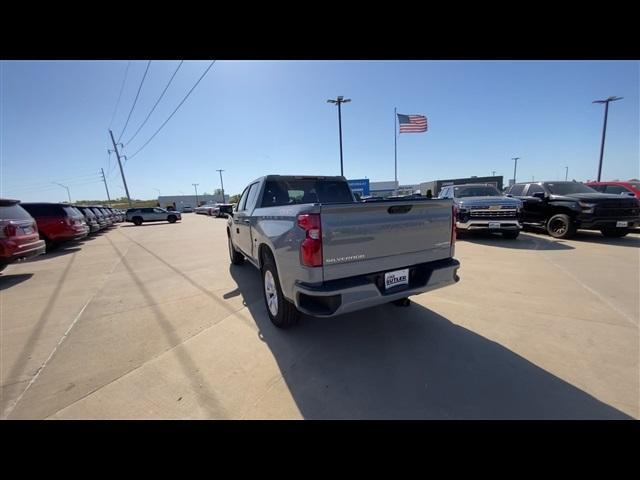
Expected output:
(153, 214)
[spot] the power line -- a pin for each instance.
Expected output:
(156, 104)
(135, 100)
(172, 113)
(126, 72)
(43, 183)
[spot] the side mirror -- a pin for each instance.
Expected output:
(540, 195)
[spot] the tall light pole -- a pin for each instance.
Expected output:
(64, 186)
(493, 173)
(222, 184)
(515, 166)
(158, 190)
(604, 126)
(339, 101)
(566, 173)
(196, 187)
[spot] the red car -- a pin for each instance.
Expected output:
(58, 222)
(617, 188)
(19, 237)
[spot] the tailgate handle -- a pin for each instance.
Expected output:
(399, 209)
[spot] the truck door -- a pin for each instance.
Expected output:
(242, 219)
(534, 211)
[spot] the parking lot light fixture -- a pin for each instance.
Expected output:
(339, 101)
(604, 127)
(515, 166)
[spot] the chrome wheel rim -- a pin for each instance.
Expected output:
(270, 293)
(558, 227)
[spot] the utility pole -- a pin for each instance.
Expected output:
(515, 166)
(566, 173)
(339, 101)
(124, 181)
(64, 186)
(604, 127)
(493, 173)
(221, 183)
(196, 187)
(104, 179)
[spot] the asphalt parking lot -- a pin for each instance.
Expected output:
(153, 322)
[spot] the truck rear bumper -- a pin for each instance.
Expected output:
(356, 293)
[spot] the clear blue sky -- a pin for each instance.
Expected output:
(254, 118)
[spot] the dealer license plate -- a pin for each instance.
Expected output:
(395, 278)
(621, 224)
(494, 224)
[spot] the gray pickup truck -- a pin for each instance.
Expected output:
(323, 253)
(482, 207)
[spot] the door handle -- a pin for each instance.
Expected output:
(246, 221)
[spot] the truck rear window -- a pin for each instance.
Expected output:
(296, 191)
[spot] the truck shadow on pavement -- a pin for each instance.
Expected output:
(392, 362)
(8, 281)
(525, 241)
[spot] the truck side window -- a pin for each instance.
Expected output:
(534, 188)
(243, 200)
(251, 196)
(517, 190)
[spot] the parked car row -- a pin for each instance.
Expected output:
(31, 229)
(561, 208)
(216, 209)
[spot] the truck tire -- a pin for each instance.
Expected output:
(561, 226)
(236, 257)
(137, 221)
(172, 219)
(282, 313)
(511, 235)
(614, 232)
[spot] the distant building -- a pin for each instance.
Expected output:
(181, 201)
(436, 185)
(382, 189)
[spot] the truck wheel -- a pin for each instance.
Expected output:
(137, 221)
(511, 235)
(282, 313)
(172, 219)
(614, 232)
(561, 226)
(236, 257)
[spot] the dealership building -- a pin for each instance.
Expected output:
(180, 201)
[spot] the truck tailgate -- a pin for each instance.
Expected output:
(363, 238)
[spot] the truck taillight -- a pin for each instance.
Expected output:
(10, 230)
(454, 216)
(311, 248)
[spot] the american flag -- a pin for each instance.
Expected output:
(412, 123)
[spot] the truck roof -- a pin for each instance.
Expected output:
(299, 177)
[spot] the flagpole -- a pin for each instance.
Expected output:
(395, 139)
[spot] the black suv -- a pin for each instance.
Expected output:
(563, 207)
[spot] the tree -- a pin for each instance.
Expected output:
(234, 198)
